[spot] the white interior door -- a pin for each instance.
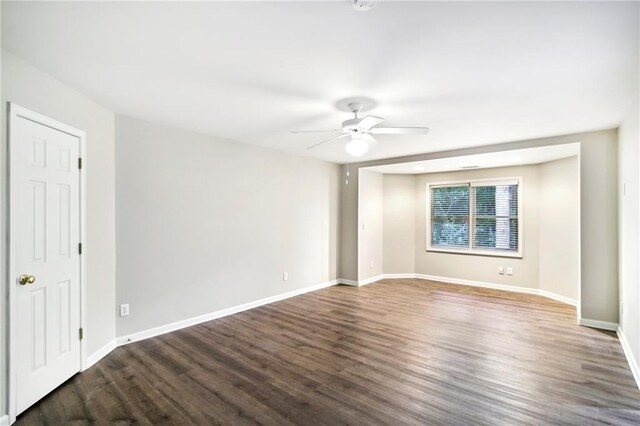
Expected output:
(44, 239)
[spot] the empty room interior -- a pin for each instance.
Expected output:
(320, 212)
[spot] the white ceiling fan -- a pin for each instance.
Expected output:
(360, 131)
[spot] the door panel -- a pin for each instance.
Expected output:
(45, 231)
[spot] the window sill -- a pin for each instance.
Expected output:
(486, 253)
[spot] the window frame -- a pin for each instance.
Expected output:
(473, 183)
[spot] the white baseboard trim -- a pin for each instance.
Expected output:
(633, 365)
(370, 280)
(156, 331)
(4, 420)
(360, 283)
(559, 298)
(448, 280)
(603, 325)
(493, 286)
(398, 276)
(346, 281)
(100, 353)
(512, 288)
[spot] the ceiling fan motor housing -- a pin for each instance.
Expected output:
(351, 124)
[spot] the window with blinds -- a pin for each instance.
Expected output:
(477, 217)
(450, 216)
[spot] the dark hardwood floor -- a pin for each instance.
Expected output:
(394, 352)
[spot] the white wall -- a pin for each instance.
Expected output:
(629, 194)
(559, 206)
(629, 189)
(399, 224)
(4, 329)
(370, 229)
(205, 224)
(35, 90)
(483, 268)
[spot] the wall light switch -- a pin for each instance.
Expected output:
(372, 264)
(501, 270)
(285, 276)
(124, 310)
(509, 271)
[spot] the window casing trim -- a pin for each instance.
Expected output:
(470, 250)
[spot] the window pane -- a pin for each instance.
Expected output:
(450, 217)
(496, 233)
(450, 232)
(498, 200)
(495, 221)
(450, 201)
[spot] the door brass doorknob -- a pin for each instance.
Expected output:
(26, 279)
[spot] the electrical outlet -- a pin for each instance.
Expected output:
(501, 270)
(124, 310)
(372, 264)
(285, 276)
(509, 271)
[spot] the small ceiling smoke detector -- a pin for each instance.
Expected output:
(363, 5)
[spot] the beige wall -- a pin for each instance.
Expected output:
(348, 248)
(559, 205)
(482, 268)
(550, 217)
(205, 224)
(599, 210)
(35, 90)
(399, 224)
(629, 193)
(370, 229)
(599, 226)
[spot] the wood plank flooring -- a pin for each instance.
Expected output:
(394, 352)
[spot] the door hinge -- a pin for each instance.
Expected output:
(80, 163)
(81, 332)
(79, 248)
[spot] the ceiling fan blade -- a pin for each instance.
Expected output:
(366, 123)
(316, 131)
(328, 140)
(399, 130)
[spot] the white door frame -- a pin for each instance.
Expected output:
(15, 112)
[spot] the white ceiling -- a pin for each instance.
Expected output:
(518, 157)
(475, 73)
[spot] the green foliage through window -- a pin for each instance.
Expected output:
(450, 216)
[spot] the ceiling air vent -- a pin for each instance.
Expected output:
(363, 5)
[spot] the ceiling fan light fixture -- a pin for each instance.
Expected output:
(357, 147)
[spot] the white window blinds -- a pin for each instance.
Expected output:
(475, 216)
(495, 217)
